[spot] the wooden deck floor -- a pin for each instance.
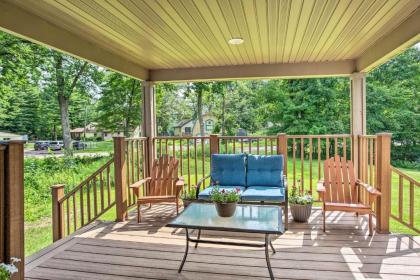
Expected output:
(151, 251)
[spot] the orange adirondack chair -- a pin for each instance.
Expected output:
(339, 191)
(163, 185)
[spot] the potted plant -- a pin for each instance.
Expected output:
(300, 205)
(188, 196)
(225, 201)
(7, 270)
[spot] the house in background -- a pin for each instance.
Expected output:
(6, 136)
(192, 127)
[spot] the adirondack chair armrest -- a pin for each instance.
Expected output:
(137, 185)
(371, 190)
(179, 184)
(199, 184)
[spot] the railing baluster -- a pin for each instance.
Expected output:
(95, 198)
(335, 146)
(89, 214)
(181, 158)
(249, 145)
(68, 217)
(294, 162)
(319, 158)
(400, 196)
(242, 145)
(310, 165)
(302, 157)
(234, 144)
(271, 145)
(74, 212)
(411, 211)
(345, 148)
(327, 148)
(370, 161)
(258, 146)
(82, 207)
(101, 190)
(203, 157)
(138, 160)
(195, 161)
(108, 184)
(188, 164)
(265, 145)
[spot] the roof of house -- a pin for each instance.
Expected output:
(8, 134)
(182, 123)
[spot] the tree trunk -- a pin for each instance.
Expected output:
(223, 111)
(63, 101)
(200, 112)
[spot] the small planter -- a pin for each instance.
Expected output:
(225, 209)
(301, 213)
(187, 202)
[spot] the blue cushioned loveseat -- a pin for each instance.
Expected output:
(260, 179)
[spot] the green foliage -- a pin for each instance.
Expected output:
(189, 194)
(224, 196)
(41, 174)
(296, 198)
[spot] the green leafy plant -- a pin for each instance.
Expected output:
(224, 196)
(189, 194)
(7, 270)
(296, 198)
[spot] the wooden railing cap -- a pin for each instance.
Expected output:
(58, 186)
(384, 134)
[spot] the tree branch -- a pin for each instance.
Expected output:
(77, 77)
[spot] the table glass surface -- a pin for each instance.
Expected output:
(247, 218)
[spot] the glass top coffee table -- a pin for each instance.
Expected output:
(264, 219)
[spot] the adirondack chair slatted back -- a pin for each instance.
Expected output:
(339, 181)
(163, 177)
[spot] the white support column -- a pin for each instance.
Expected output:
(149, 119)
(358, 113)
(358, 103)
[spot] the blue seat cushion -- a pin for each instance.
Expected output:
(263, 193)
(265, 170)
(228, 170)
(205, 194)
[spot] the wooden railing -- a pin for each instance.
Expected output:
(192, 152)
(135, 156)
(404, 187)
(84, 203)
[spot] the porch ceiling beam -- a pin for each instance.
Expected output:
(34, 28)
(255, 71)
(402, 37)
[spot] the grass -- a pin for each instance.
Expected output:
(40, 175)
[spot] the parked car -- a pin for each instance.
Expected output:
(56, 145)
(41, 145)
(79, 145)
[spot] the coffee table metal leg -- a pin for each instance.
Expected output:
(267, 256)
(198, 238)
(186, 251)
(272, 247)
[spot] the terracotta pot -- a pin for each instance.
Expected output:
(226, 209)
(301, 213)
(187, 202)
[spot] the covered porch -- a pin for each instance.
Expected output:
(184, 41)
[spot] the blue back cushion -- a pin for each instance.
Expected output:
(265, 171)
(228, 170)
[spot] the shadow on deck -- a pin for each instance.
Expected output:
(107, 250)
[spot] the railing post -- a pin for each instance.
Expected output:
(214, 144)
(2, 203)
(383, 181)
(14, 216)
(282, 148)
(57, 193)
(120, 172)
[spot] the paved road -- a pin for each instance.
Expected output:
(42, 154)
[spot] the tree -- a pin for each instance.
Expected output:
(119, 106)
(68, 71)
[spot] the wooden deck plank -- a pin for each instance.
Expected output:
(151, 251)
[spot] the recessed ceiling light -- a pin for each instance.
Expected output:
(236, 41)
